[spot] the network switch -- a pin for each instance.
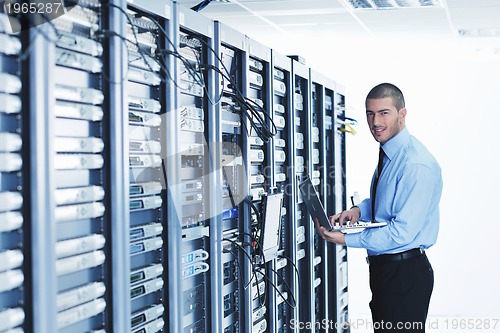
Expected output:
(255, 80)
(10, 142)
(78, 161)
(10, 104)
(281, 298)
(145, 231)
(144, 104)
(80, 262)
(78, 16)
(143, 61)
(257, 179)
(259, 313)
(81, 312)
(279, 88)
(79, 212)
(78, 111)
(78, 195)
(11, 318)
(145, 147)
(148, 188)
(192, 125)
(144, 118)
(10, 162)
(255, 64)
(280, 177)
(280, 122)
(146, 245)
(11, 279)
(279, 108)
(145, 288)
(189, 234)
(153, 327)
(10, 221)
(78, 145)
(146, 273)
(10, 201)
(278, 74)
(74, 246)
(143, 76)
(144, 161)
(80, 295)
(190, 54)
(142, 203)
(192, 88)
(147, 315)
(256, 155)
(280, 143)
(9, 45)
(78, 43)
(81, 95)
(255, 141)
(10, 84)
(77, 60)
(192, 112)
(258, 289)
(192, 149)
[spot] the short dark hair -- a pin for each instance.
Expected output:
(384, 90)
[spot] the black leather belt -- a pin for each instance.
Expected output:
(395, 257)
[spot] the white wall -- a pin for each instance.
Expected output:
(452, 97)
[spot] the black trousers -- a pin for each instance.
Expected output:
(401, 292)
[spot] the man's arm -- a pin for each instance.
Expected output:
(410, 206)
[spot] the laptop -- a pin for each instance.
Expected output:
(316, 210)
(271, 219)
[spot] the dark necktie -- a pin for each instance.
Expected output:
(381, 155)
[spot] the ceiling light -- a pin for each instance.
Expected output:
(393, 4)
(481, 32)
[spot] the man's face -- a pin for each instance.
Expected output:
(384, 120)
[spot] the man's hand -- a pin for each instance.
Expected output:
(351, 215)
(330, 236)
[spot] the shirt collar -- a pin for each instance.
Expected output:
(392, 146)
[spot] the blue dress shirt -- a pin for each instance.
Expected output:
(408, 194)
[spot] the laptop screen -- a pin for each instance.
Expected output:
(270, 233)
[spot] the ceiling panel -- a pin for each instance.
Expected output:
(333, 18)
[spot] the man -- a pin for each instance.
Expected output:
(406, 189)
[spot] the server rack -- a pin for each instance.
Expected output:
(286, 307)
(320, 177)
(231, 52)
(260, 159)
(339, 164)
(136, 141)
(195, 106)
(146, 30)
(327, 195)
(14, 231)
(305, 229)
(76, 172)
